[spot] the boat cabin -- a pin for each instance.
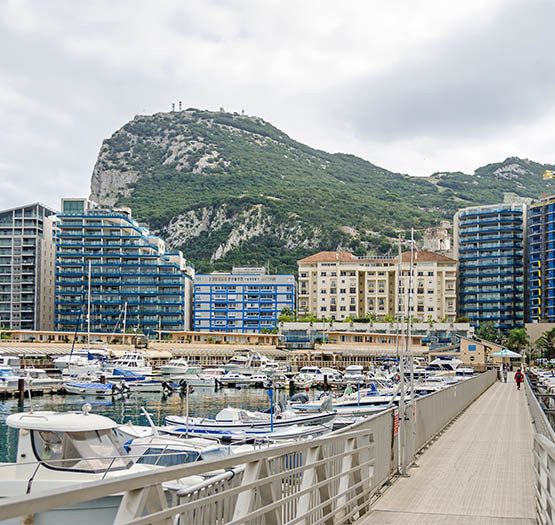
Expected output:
(70, 442)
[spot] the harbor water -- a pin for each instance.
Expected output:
(203, 402)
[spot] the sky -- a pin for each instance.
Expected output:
(415, 87)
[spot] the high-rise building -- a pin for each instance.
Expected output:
(339, 285)
(27, 264)
(133, 279)
(541, 261)
(245, 300)
(489, 244)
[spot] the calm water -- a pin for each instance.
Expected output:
(203, 402)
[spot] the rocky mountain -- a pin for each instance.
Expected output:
(233, 189)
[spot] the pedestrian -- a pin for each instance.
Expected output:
(519, 378)
(505, 372)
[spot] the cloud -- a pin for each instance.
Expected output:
(416, 87)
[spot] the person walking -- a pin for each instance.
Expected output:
(519, 378)
(505, 373)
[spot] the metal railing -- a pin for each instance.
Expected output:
(330, 479)
(544, 458)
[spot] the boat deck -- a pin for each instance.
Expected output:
(479, 471)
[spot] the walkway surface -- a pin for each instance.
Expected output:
(478, 472)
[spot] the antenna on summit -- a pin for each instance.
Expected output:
(173, 106)
(180, 105)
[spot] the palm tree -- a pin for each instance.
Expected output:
(517, 340)
(547, 343)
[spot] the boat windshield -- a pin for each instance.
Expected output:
(6, 372)
(167, 457)
(89, 451)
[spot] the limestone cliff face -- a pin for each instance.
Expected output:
(233, 189)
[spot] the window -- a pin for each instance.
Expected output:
(323, 309)
(73, 206)
(342, 308)
(343, 290)
(70, 450)
(352, 290)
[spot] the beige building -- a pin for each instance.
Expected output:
(339, 285)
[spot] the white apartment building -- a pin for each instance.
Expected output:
(338, 285)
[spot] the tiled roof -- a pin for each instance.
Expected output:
(420, 255)
(426, 256)
(329, 257)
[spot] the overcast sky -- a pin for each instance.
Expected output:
(413, 86)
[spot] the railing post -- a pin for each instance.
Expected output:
(257, 471)
(135, 502)
(312, 476)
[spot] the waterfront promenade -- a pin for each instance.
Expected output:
(479, 471)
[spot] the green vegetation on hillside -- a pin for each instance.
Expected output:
(308, 199)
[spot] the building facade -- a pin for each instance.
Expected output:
(540, 270)
(27, 263)
(338, 285)
(246, 300)
(135, 284)
(489, 243)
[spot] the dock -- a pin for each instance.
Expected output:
(478, 452)
(479, 471)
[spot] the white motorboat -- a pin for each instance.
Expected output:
(132, 362)
(179, 366)
(235, 379)
(354, 374)
(364, 402)
(35, 379)
(207, 377)
(168, 450)
(444, 364)
(307, 376)
(272, 367)
(10, 361)
(246, 362)
(62, 449)
(82, 357)
(236, 419)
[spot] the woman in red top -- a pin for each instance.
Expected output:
(519, 378)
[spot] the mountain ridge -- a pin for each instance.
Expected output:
(232, 189)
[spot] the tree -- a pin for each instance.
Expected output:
(488, 332)
(517, 340)
(287, 315)
(546, 343)
(388, 318)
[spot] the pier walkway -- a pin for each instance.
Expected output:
(479, 471)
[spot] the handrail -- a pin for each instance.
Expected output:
(314, 480)
(539, 419)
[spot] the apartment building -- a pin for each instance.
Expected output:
(246, 300)
(27, 264)
(540, 268)
(134, 280)
(489, 244)
(339, 285)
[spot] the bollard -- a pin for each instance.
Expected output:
(21, 388)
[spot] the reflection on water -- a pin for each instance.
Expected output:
(203, 402)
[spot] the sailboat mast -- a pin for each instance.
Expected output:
(124, 322)
(89, 308)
